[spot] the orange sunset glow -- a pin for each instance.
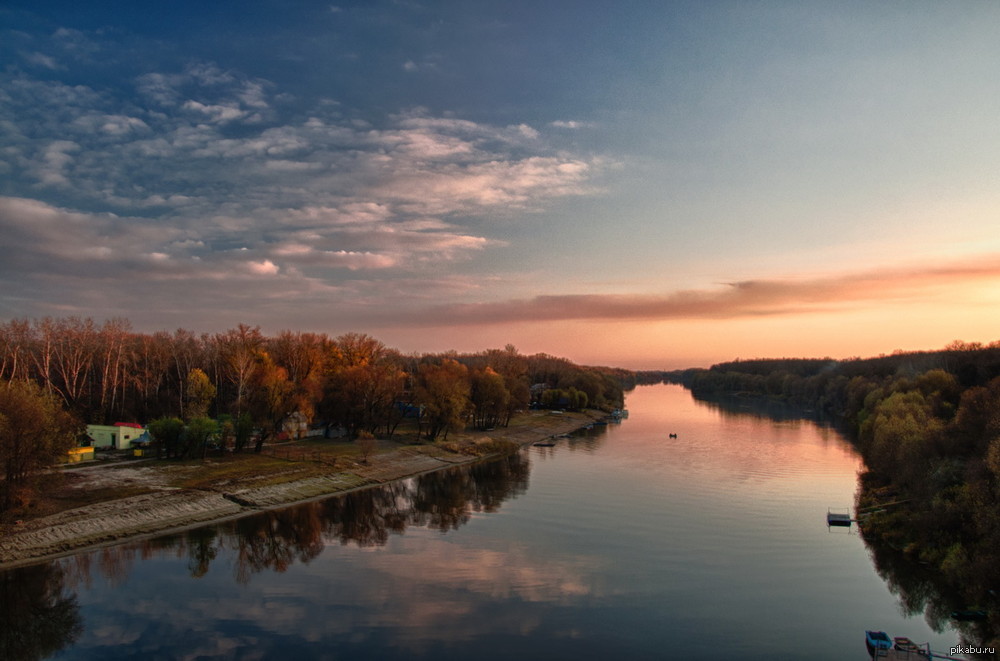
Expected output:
(736, 181)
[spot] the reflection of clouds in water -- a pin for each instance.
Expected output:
(419, 591)
(498, 574)
(463, 593)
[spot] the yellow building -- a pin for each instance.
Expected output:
(76, 455)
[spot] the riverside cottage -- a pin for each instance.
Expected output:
(118, 436)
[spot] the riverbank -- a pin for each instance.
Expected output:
(165, 497)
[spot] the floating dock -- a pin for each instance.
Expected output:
(838, 519)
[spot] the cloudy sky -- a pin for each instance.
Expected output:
(636, 183)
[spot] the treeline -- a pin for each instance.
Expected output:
(106, 372)
(928, 427)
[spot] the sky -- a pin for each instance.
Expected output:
(644, 184)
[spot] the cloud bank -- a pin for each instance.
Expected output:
(192, 186)
(745, 299)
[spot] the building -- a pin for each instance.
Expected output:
(118, 436)
(77, 455)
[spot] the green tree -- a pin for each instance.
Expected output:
(166, 433)
(34, 432)
(900, 435)
(197, 435)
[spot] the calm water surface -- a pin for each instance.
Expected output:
(618, 542)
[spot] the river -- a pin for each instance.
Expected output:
(619, 541)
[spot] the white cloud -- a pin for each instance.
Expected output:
(570, 124)
(216, 113)
(324, 203)
(266, 267)
(41, 60)
(55, 160)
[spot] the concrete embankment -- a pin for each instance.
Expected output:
(167, 509)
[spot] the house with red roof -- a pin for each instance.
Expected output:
(118, 436)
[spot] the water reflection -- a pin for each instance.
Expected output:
(732, 406)
(38, 616)
(923, 591)
(630, 543)
(276, 539)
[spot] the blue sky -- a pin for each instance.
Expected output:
(637, 183)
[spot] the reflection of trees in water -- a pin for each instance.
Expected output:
(921, 590)
(367, 517)
(275, 539)
(587, 441)
(443, 500)
(37, 617)
(738, 406)
(447, 499)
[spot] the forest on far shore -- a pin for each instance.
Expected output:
(928, 427)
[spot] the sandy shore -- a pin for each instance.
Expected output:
(166, 509)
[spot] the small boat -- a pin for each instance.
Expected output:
(969, 615)
(904, 644)
(877, 640)
(673, 435)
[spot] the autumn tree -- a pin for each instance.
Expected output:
(490, 399)
(443, 390)
(15, 349)
(34, 431)
(186, 353)
(364, 381)
(239, 351)
(272, 398)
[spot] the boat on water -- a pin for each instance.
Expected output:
(904, 644)
(876, 641)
